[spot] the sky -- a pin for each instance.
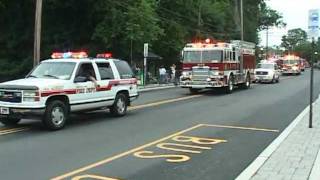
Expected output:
(295, 15)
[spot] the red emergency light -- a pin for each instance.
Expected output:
(105, 55)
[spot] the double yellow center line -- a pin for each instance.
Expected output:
(5, 131)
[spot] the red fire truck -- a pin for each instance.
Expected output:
(218, 65)
(292, 65)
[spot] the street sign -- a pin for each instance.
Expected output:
(145, 51)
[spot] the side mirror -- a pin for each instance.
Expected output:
(79, 79)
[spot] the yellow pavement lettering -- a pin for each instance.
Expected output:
(162, 102)
(169, 157)
(239, 127)
(108, 160)
(174, 147)
(197, 140)
(93, 177)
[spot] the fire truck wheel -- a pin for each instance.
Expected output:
(10, 121)
(56, 115)
(193, 91)
(229, 88)
(247, 84)
(119, 107)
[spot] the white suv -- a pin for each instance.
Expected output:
(267, 72)
(60, 86)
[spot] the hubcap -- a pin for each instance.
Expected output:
(230, 85)
(121, 105)
(57, 116)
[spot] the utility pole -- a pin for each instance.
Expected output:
(311, 84)
(242, 35)
(199, 19)
(267, 43)
(37, 33)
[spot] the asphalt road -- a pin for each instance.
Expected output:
(167, 134)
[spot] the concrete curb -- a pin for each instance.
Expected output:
(250, 171)
(315, 171)
(155, 88)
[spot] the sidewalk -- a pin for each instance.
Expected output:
(294, 155)
(151, 87)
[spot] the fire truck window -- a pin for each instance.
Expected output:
(192, 56)
(214, 55)
(234, 55)
(230, 55)
(105, 71)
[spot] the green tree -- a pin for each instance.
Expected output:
(294, 38)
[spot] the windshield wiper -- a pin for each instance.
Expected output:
(52, 76)
(33, 76)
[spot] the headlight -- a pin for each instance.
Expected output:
(31, 96)
(29, 93)
(29, 99)
(186, 74)
(214, 73)
(294, 68)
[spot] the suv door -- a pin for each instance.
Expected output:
(127, 78)
(105, 79)
(86, 96)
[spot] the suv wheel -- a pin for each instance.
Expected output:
(56, 115)
(119, 107)
(193, 91)
(10, 121)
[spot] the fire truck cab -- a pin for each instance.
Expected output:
(292, 65)
(218, 65)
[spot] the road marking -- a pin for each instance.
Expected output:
(90, 176)
(107, 160)
(178, 136)
(253, 168)
(240, 127)
(162, 102)
(12, 130)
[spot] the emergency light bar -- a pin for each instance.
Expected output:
(76, 55)
(105, 55)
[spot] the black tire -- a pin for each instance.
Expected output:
(56, 115)
(120, 105)
(193, 91)
(230, 87)
(9, 121)
(273, 80)
(247, 84)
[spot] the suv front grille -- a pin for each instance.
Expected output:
(261, 73)
(10, 96)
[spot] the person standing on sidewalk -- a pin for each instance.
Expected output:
(173, 73)
(162, 73)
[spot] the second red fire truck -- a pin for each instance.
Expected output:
(218, 65)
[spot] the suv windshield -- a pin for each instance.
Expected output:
(56, 70)
(265, 66)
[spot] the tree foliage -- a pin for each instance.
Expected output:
(294, 38)
(122, 27)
